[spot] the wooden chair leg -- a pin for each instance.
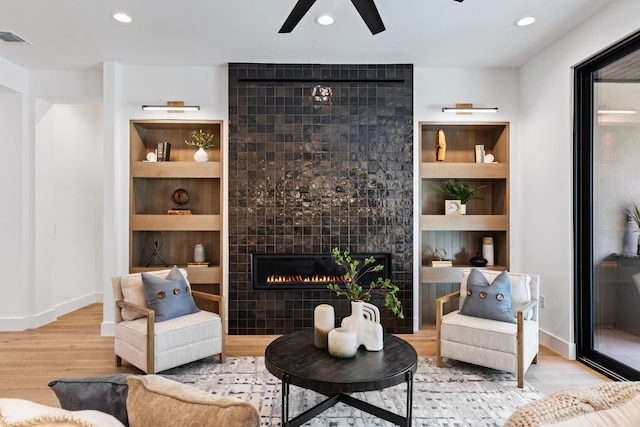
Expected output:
(520, 379)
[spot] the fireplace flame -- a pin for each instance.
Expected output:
(319, 279)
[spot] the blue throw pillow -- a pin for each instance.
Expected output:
(169, 297)
(489, 301)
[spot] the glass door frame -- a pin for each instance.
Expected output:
(583, 209)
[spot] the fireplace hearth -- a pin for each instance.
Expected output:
(278, 272)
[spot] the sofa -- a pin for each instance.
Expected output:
(601, 405)
(129, 400)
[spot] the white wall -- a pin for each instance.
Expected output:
(68, 201)
(16, 293)
(51, 228)
(545, 164)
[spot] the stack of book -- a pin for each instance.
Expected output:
(164, 151)
(442, 263)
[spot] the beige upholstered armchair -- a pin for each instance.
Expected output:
(509, 344)
(154, 346)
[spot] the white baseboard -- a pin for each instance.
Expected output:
(14, 324)
(107, 329)
(563, 348)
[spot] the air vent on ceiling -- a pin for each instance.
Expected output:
(9, 37)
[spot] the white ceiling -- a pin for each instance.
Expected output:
(80, 34)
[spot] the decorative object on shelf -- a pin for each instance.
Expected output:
(198, 253)
(452, 207)
(323, 322)
(155, 242)
(478, 261)
(439, 254)
(439, 261)
(342, 343)
(454, 190)
(202, 140)
(152, 156)
(353, 290)
(488, 158)
(480, 153)
(163, 151)
(180, 198)
(487, 249)
(441, 145)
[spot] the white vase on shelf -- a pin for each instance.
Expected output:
(365, 320)
(201, 155)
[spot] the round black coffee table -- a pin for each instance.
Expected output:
(294, 359)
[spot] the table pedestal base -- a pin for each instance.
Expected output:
(346, 399)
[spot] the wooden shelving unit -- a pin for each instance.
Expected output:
(151, 187)
(461, 236)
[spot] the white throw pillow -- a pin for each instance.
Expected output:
(20, 412)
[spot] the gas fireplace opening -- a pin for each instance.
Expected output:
(306, 271)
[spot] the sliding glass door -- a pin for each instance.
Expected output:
(607, 192)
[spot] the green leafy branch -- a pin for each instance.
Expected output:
(353, 290)
(201, 139)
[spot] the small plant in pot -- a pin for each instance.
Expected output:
(353, 290)
(202, 140)
(455, 190)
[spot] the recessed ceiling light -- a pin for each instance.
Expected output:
(527, 20)
(121, 17)
(325, 20)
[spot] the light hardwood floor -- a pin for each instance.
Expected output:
(72, 347)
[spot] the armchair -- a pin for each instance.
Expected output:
(156, 346)
(501, 345)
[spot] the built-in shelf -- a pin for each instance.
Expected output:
(151, 189)
(461, 235)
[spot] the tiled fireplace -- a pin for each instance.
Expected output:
(320, 156)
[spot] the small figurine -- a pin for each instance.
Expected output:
(441, 145)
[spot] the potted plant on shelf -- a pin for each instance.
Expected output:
(202, 140)
(455, 190)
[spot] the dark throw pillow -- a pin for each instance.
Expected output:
(105, 394)
(169, 297)
(489, 301)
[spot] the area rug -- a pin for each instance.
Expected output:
(456, 395)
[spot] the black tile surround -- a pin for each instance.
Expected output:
(306, 176)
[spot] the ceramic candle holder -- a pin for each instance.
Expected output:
(323, 322)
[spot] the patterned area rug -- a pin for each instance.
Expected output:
(458, 394)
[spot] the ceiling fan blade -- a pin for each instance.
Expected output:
(299, 10)
(367, 9)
